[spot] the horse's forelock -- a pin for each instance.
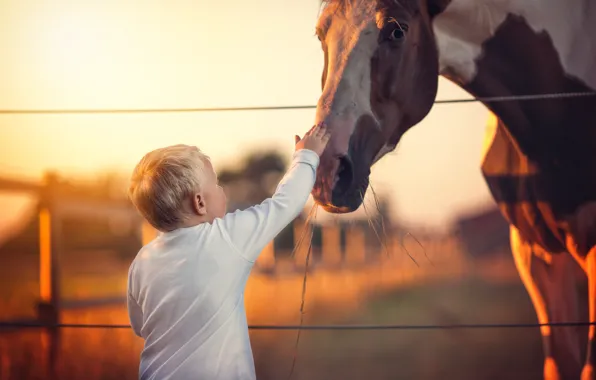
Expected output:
(345, 6)
(342, 5)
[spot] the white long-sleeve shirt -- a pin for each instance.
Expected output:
(186, 287)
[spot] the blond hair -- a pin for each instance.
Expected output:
(162, 182)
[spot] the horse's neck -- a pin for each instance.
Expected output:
(466, 25)
(522, 47)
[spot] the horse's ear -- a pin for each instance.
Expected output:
(436, 7)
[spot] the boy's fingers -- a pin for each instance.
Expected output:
(296, 139)
(316, 130)
(323, 130)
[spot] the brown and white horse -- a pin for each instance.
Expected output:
(382, 62)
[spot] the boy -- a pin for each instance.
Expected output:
(185, 288)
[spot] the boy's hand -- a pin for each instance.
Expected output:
(316, 139)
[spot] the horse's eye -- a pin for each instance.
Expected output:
(399, 32)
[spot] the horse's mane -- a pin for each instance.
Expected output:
(346, 5)
(343, 5)
(340, 3)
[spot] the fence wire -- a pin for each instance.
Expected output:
(493, 99)
(37, 325)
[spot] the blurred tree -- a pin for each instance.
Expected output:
(254, 180)
(249, 184)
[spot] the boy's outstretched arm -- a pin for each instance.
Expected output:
(252, 229)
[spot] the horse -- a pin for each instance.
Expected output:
(382, 61)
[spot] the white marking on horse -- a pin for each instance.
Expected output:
(460, 32)
(346, 93)
(465, 25)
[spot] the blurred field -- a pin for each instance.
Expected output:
(488, 292)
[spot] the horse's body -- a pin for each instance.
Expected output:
(382, 59)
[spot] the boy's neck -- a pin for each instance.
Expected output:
(196, 220)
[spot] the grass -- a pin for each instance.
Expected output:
(367, 296)
(430, 354)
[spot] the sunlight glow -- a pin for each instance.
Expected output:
(72, 42)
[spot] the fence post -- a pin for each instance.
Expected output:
(50, 244)
(403, 255)
(302, 231)
(331, 250)
(45, 256)
(355, 245)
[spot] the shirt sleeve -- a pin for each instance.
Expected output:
(252, 229)
(135, 314)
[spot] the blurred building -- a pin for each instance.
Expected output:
(484, 233)
(250, 183)
(116, 233)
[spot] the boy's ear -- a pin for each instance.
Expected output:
(198, 204)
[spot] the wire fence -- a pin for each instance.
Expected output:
(19, 325)
(37, 325)
(493, 99)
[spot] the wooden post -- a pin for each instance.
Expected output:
(302, 231)
(331, 245)
(355, 245)
(400, 250)
(49, 265)
(50, 234)
(45, 256)
(50, 347)
(50, 245)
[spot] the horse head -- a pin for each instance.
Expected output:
(379, 79)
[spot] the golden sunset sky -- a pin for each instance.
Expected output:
(197, 53)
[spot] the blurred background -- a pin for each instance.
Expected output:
(429, 248)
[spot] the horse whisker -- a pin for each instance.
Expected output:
(401, 243)
(304, 230)
(421, 246)
(312, 212)
(376, 199)
(372, 226)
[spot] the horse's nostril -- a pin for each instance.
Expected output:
(344, 175)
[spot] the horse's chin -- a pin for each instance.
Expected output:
(343, 200)
(336, 210)
(345, 205)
